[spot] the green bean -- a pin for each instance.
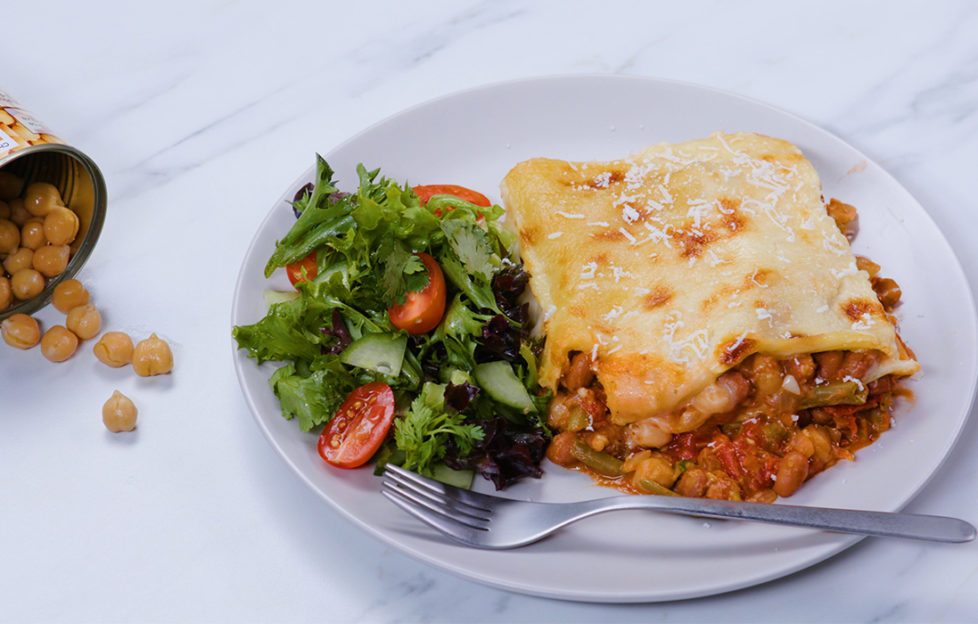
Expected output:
(601, 463)
(652, 487)
(578, 419)
(841, 393)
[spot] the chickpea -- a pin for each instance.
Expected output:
(865, 264)
(84, 321)
(723, 488)
(32, 234)
(51, 260)
(887, 291)
(60, 226)
(18, 211)
(801, 367)
(114, 349)
(58, 344)
(119, 413)
(792, 472)
(766, 374)
(822, 455)
(580, 373)
(41, 197)
(559, 450)
(693, 482)
(9, 236)
(69, 294)
(152, 356)
(4, 210)
(646, 434)
(6, 295)
(20, 258)
(20, 331)
(656, 468)
(829, 363)
(10, 185)
(26, 283)
(722, 395)
(763, 496)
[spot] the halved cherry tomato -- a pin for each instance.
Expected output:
(359, 426)
(427, 191)
(302, 270)
(423, 310)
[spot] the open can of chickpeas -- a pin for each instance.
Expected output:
(52, 205)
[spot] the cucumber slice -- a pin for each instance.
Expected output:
(450, 476)
(277, 296)
(383, 353)
(502, 384)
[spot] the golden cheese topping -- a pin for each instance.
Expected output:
(673, 265)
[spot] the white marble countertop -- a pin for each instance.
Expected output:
(200, 113)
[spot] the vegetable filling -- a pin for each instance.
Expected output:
(758, 432)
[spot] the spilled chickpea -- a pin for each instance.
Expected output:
(83, 321)
(119, 413)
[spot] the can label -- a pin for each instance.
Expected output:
(19, 129)
(6, 143)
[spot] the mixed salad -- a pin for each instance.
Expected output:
(405, 339)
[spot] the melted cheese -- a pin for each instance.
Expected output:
(675, 264)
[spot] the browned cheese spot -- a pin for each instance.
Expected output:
(730, 217)
(760, 276)
(527, 237)
(736, 350)
(605, 179)
(722, 293)
(660, 296)
(639, 209)
(578, 311)
(611, 235)
(755, 279)
(598, 181)
(693, 242)
(856, 308)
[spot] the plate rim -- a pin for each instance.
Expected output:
(844, 541)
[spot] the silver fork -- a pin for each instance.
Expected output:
(493, 522)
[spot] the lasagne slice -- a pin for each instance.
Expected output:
(680, 285)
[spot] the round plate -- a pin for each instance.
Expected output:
(473, 138)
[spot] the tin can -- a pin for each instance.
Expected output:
(31, 153)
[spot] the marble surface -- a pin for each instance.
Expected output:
(200, 113)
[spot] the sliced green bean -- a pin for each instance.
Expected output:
(601, 463)
(578, 420)
(837, 393)
(653, 487)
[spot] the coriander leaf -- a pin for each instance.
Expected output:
(461, 322)
(423, 432)
(404, 272)
(478, 292)
(471, 245)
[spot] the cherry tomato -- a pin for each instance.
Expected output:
(423, 310)
(427, 191)
(359, 426)
(302, 270)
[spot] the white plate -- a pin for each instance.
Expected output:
(473, 138)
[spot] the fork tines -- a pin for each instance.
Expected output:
(447, 508)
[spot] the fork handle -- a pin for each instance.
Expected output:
(882, 524)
